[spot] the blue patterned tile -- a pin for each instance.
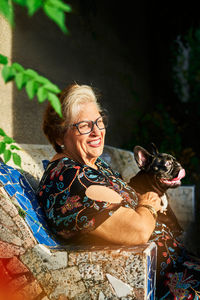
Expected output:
(3, 171)
(45, 163)
(151, 272)
(10, 189)
(16, 184)
(3, 179)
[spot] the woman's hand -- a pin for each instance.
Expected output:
(150, 198)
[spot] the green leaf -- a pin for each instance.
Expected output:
(8, 73)
(6, 155)
(42, 79)
(3, 59)
(52, 88)
(2, 133)
(31, 88)
(8, 140)
(17, 159)
(59, 4)
(57, 15)
(33, 6)
(2, 147)
(20, 2)
(42, 94)
(55, 102)
(12, 147)
(17, 67)
(6, 9)
(31, 73)
(20, 80)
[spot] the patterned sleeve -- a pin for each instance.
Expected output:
(67, 208)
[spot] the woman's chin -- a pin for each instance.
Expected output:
(96, 152)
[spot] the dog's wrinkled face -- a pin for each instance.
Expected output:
(164, 167)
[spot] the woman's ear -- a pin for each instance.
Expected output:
(59, 142)
(142, 157)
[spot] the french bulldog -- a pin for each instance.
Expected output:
(158, 172)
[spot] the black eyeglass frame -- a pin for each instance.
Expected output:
(104, 117)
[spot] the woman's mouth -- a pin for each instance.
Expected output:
(95, 143)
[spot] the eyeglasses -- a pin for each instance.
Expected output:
(85, 127)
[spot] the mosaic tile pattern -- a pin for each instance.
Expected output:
(16, 186)
(151, 253)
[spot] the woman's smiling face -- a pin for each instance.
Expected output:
(85, 148)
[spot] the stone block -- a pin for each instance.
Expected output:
(15, 266)
(7, 205)
(182, 201)
(69, 290)
(31, 291)
(16, 283)
(52, 260)
(27, 236)
(8, 250)
(4, 276)
(8, 236)
(39, 270)
(6, 220)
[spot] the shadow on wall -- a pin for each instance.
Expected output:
(97, 52)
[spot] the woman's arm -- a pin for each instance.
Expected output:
(127, 226)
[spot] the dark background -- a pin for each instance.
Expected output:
(125, 51)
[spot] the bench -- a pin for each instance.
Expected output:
(63, 271)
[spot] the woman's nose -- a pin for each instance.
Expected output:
(95, 130)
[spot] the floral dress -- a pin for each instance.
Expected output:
(71, 215)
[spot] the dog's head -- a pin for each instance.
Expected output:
(164, 167)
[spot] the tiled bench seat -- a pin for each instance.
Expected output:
(64, 271)
(67, 271)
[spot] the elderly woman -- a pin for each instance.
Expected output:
(86, 201)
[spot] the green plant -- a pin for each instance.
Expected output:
(54, 9)
(34, 84)
(8, 149)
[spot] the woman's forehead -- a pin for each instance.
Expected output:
(87, 111)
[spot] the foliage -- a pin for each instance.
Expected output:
(8, 149)
(54, 9)
(34, 83)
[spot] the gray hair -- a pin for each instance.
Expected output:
(71, 99)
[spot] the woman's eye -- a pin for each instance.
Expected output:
(83, 125)
(100, 123)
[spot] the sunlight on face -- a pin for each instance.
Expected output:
(88, 147)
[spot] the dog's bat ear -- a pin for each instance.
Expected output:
(142, 157)
(154, 149)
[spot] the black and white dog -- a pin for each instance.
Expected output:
(158, 172)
